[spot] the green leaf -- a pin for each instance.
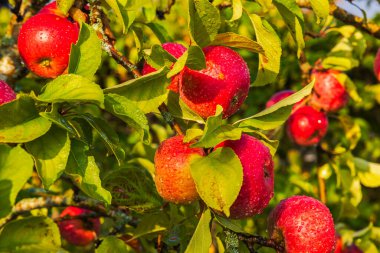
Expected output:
(23, 126)
(72, 88)
(233, 225)
(32, 234)
(193, 58)
(277, 114)
(55, 117)
(107, 135)
(84, 171)
(128, 112)
(201, 240)
(215, 132)
(369, 173)
(349, 85)
(218, 178)
(230, 39)
(50, 152)
(86, 54)
(237, 10)
(269, 65)
(293, 17)
(179, 109)
(148, 91)
(160, 32)
(321, 8)
(16, 167)
(112, 244)
(125, 13)
(159, 57)
(65, 5)
(204, 21)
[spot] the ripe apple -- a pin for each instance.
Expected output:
(44, 44)
(277, 97)
(6, 93)
(172, 175)
(258, 182)
(225, 81)
(52, 8)
(78, 231)
(376, 65)
(339, 244)
(177, 51)
(304, 224)
(328, 94)
(307, 126)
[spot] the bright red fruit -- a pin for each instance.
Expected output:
(328, 94)
(79, 231)
(258, 182)
(44, 44)
(352, 249)
(277, 97)
(376, 65)
(172, 175)
(52, 8)
(225, 81)
(339, 244)
(6, 93)
(304, 224)
(307, 126)
(177, 51)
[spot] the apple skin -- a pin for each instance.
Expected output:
(328, 94)
(258, 182)
(177, 51)
(6, 93)
(44, 44)
(307, 126)
(78, 231)
(339, 244)
(376, 65)
(277, 97)
(52, 8)
(173, 178)
(224, 81)
(304, 224)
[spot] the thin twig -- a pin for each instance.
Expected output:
(348, 18)
(255, 239)
(170, 119)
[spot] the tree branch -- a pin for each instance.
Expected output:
(256, 239)
(348, 18)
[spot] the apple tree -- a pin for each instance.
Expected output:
(189, 126)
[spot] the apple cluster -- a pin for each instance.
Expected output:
(45, 40)
(308, 122)
(225, 81)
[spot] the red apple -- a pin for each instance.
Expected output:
(304, 224)
(225, 81)
(307, 126)
(339, 244)
(52, 8)
(79, 231)
(328, 94)
(44, 44)
(352, 249)
(177, 51)
(258, 182)
(172, 175)
(6, 93)
(277, 97)
(376, 65)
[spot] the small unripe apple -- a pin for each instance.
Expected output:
(277, 97)
(304, 224)
(52, 8)
(225, 81)
(376, 65)
(44, 44)
(6, 93)
(328, 94)
(177, 51)
(78, 231)
(173, 178)
(258, 182)
(307, 126)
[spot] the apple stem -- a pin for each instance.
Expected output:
(168, 117)
(348, 18)
(256, 239)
